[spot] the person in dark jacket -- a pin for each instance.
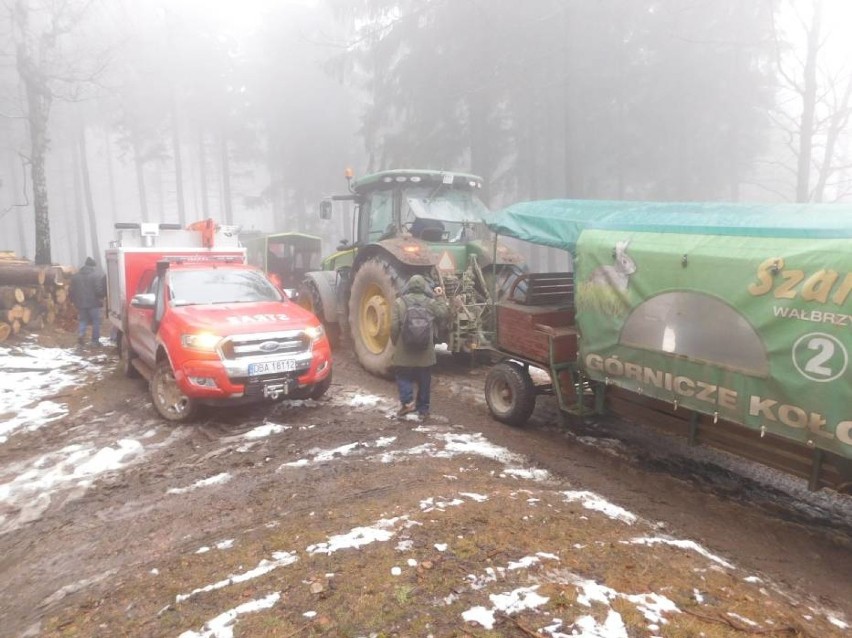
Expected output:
(87, 294)
(413, 367)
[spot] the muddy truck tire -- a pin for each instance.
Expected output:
(172, 404)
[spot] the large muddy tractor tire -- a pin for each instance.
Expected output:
(126, 355)
(172, 404)
(374, 289)
(510, 393)
(311, 300)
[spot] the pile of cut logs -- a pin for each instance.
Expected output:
(31, 296)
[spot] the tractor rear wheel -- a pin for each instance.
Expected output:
(374, 289)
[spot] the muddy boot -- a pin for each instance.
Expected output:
(405, 408)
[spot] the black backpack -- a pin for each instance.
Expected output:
(417, 326)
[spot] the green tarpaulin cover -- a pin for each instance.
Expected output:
(559, 222)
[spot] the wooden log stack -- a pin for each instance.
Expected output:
(31, 297)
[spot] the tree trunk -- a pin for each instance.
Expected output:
(139, 161)
(79, 226)
(87, 192)
(839, 120)
(20, 214)
(10, 296)
(39, 99)
(159, 190)
(226, 180)
(178, 164)
(202, 167)
(110, 174)
(22, 275)
(809, 98)
(38, 111)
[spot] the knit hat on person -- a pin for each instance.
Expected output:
(416, 284)
(90, 262)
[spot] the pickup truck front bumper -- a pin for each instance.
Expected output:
(211, 380)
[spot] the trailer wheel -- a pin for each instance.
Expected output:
(510, 393)
(311, 300)
(170, 401)
(126, 355)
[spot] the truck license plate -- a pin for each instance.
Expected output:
(271, 367)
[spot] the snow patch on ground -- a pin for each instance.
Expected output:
(382, 530)
(508, 603)
(29, 492)
(222, 626)
(683, 544)
(267, 429)
(592, 501)
(32, 376)
(279, 559)
(217, 479)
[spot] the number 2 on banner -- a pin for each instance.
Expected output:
(820, 357)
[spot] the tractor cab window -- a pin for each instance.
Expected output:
(377, 214)
(438, 213)
(307, 258)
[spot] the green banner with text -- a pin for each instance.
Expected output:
(757, 330)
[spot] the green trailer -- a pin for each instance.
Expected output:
(735, 313)
(284, 256)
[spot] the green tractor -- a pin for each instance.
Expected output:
(410, 222)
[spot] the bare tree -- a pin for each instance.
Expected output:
(816, 116)
(48, 70)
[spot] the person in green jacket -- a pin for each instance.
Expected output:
(413, 358)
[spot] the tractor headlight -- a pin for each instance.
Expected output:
(204, 341)
(315, 333)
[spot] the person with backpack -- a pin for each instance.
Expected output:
(87, 293)
(415, 317)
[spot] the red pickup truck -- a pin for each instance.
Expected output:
(205, 328)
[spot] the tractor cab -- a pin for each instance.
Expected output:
(430, 206)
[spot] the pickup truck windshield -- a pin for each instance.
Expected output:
(219, 286)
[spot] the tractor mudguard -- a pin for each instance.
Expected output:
(405, 249)
(484, 251)
(326, 281)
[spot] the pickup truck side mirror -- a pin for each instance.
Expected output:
(143, 300)
(325, 209)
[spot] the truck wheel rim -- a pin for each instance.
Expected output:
(169, 396)
(501, 395)
(374, 319)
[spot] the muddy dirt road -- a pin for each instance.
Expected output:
(335, 518)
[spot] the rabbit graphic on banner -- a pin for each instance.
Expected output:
(616, 276)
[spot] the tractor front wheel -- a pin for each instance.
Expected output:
(374, 289)
(311, 300)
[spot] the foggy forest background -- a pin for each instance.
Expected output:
(249, 112)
